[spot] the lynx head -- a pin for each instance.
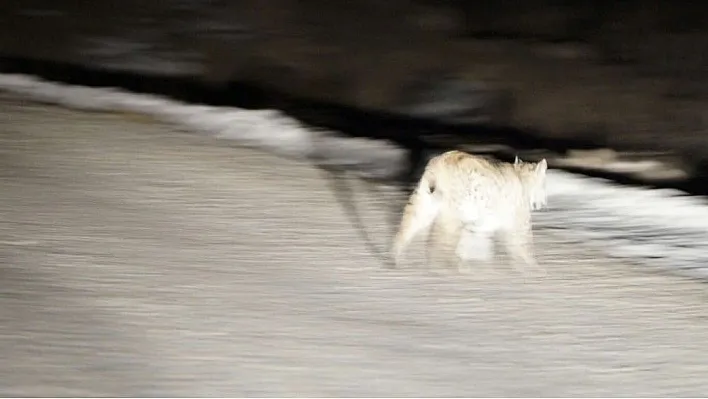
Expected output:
(533, 176)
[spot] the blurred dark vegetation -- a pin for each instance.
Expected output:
(623, 74)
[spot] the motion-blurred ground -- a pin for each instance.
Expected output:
(139, 261)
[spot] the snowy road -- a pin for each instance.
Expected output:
(141, 261)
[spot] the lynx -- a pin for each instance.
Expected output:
(462, 194)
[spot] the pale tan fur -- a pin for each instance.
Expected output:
(460, 193)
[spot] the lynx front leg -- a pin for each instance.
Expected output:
(474, 246)
(519, 245)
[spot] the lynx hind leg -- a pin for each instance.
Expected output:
(519, 245)
(442, 243)
(418, 215)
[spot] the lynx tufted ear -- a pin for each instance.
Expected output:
(541, 167)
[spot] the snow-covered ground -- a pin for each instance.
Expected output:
(663, 228)
(138, 260)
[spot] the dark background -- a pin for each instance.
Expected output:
(622, 74)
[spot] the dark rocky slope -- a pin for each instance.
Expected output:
(626, 75)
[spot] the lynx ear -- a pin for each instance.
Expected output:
(517, 160)
(541, 167)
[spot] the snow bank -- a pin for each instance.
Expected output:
(655, 227)
(269, 130)
(663, 228)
